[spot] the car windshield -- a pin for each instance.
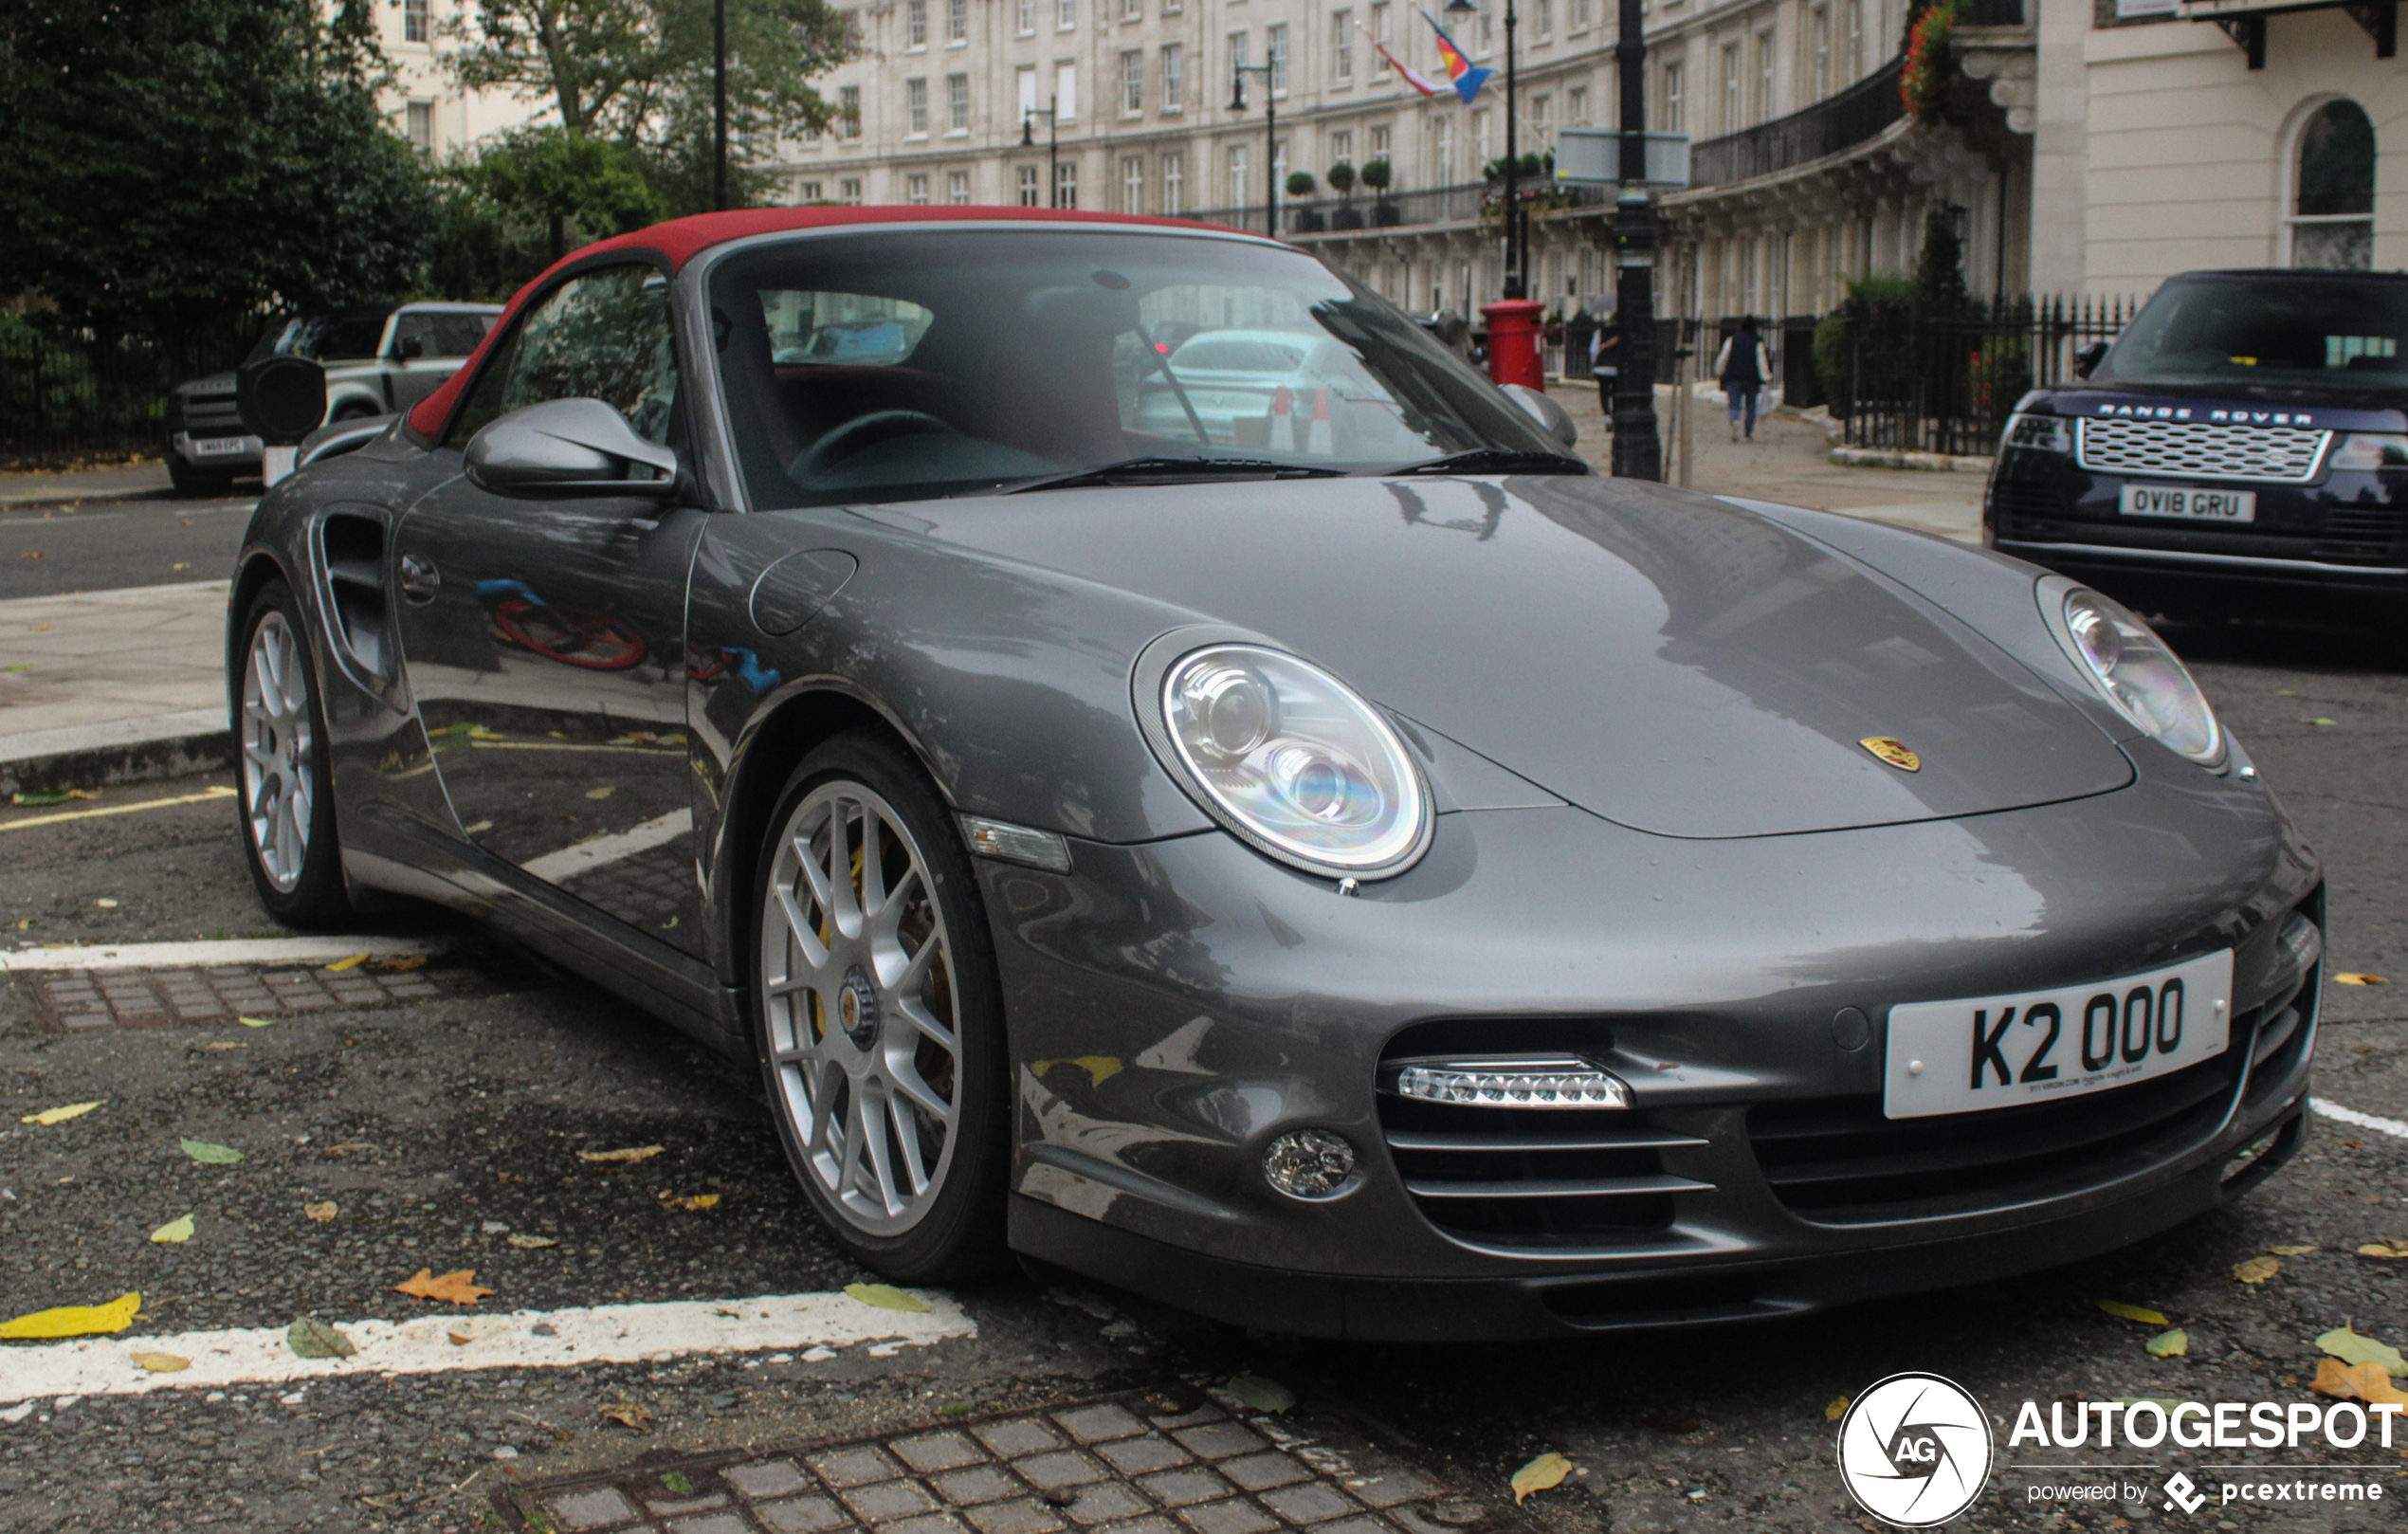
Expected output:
(893, 365)
(2283, 332)
(345, 335)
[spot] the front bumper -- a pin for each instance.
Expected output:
(244, 458)
(1177, 1006)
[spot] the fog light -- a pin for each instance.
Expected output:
(1309, 1163)
(1538, 1082)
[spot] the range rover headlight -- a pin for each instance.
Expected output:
(2134, 670)
(2371, 449)
(2040, 434)
(1293, 762)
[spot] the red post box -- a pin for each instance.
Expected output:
(1516, 348)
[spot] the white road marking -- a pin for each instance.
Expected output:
(2364, 1121)
(446, 1344)
(565, 865)
(200, 955)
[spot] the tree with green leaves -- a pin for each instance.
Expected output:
(639, 71)
(175, 168)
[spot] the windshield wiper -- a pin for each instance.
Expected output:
(1171, 470)
(1493, 461)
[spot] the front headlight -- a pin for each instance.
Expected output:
(2040, 434)
(1292, 761)
(2371, 449)
(2134, 670)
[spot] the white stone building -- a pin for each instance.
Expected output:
(426, 107)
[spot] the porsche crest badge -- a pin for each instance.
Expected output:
(1893, 751)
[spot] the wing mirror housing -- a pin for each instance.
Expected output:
(1541, 407)
(2089, 358)
(569, 448)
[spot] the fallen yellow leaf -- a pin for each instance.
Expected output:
(532, 1243)
(322, 1213)
(2296, 1252)
(1544, 1471)
(602, 792)
(626, 1413)
(73, 1110)
(634, 1153)
(2171, 1344)
(1837, 1408)
(257, 1022)
(2133, 1312)
(175, 1232)
(353, 963)
(452, 1289)
(2256, 1270)
(2366, 1381)
(407, 962)
(162, 1363)
(2359, 980)
(2352, 1346)
(76, 1320)
(699, 1201)
(885, 1297)
(2385, 1248)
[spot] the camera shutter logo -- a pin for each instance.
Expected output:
(1914, 1450)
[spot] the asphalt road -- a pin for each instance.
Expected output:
(105, 545)
(440, 1128)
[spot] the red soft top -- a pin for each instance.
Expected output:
(681, 239)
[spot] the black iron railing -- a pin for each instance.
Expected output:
(65, 396)
(1905, 378)
(1856, 114)
(1338, 217)
(1990, 14)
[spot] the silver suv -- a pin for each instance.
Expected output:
(379, 361)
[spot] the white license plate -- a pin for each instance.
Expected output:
(2001, 1052)
(2190, 501)
(219, 447)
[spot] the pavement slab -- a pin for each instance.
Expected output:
(101, 657)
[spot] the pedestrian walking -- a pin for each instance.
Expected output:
(1745, 367)
(1605, 354)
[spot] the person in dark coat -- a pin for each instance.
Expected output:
(1743, 367)
(1605, 355)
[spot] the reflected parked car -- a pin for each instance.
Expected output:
(1254, 389)
(379, 360)
(1404, 885)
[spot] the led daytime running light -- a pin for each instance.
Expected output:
(1519, 1084)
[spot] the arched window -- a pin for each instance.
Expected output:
(2332, 220)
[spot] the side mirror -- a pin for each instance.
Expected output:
(1543, 409)
(567, 448)
(2088, 358)
(409, 349)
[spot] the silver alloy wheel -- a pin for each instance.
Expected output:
(857, 982)
(279, 787)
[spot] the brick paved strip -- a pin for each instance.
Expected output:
(1025, 1473)
(85, 1000)
(251, 951)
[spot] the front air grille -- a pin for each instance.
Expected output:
(1837, 1160)
(2269, 454)
(2014, 503)
(211, 416)
(1533, 1177)
(2361, 536)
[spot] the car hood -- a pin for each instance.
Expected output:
(215, 383)
(1666, 660)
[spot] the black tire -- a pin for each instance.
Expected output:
(354, 411)
(820, 1059)
(192, 481)
(301, 878)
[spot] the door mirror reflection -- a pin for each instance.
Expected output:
(568, 447)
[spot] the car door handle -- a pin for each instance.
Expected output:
(419, 578)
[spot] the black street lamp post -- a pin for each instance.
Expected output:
(1270, 131)
(1050, 111)
(1638, 452)
(1516, 251)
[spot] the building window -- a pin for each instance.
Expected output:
(1132, 9)
(848, 192)
(1065, 90)
(1856, 40)
(1341, 46)
(1066, 184)
(1237, 161)
(1174, 182)
(849, 111)
(915, 190)
(1066, 14)
(1667, 101)
(1543, 123)
(956, 103)
(1237, 57)
(418, 21)
(1583, 13)
(1025, 19)
(1170, 8)
(1732, 105)
(1576, 107)
(1026, 77)
(957, 188)
(1543, 19)
(916, 101)
(1765, 60)
(1379, 143)
(418, 125)
(1275, 54)
(1133, 184)
(1442, 153)
(915, 23)
(1174, 77)
(1028, 189)
(1341, 147)
(1379, 22)
(2332, 223)
(1819, 51)
(808, 191)
(956, 20)
(1132, 81)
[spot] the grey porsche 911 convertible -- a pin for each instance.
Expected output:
(1331, 862)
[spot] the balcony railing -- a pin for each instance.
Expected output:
(1990, 14)
(1837, 122)
(1338, 217)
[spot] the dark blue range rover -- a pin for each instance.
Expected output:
(2241, 447)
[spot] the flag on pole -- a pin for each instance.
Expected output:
(1468, 76)
(1412, 78)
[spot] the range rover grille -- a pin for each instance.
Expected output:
(2268, 454)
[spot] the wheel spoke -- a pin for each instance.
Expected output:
(849, 1152)
(919, 1016)
(916, 970)
(843, 908)
(881, 1165)
(805, 937)
(923, 1096)
(908, 1142)
(816, 875)
(886, 921)
(873, 863)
